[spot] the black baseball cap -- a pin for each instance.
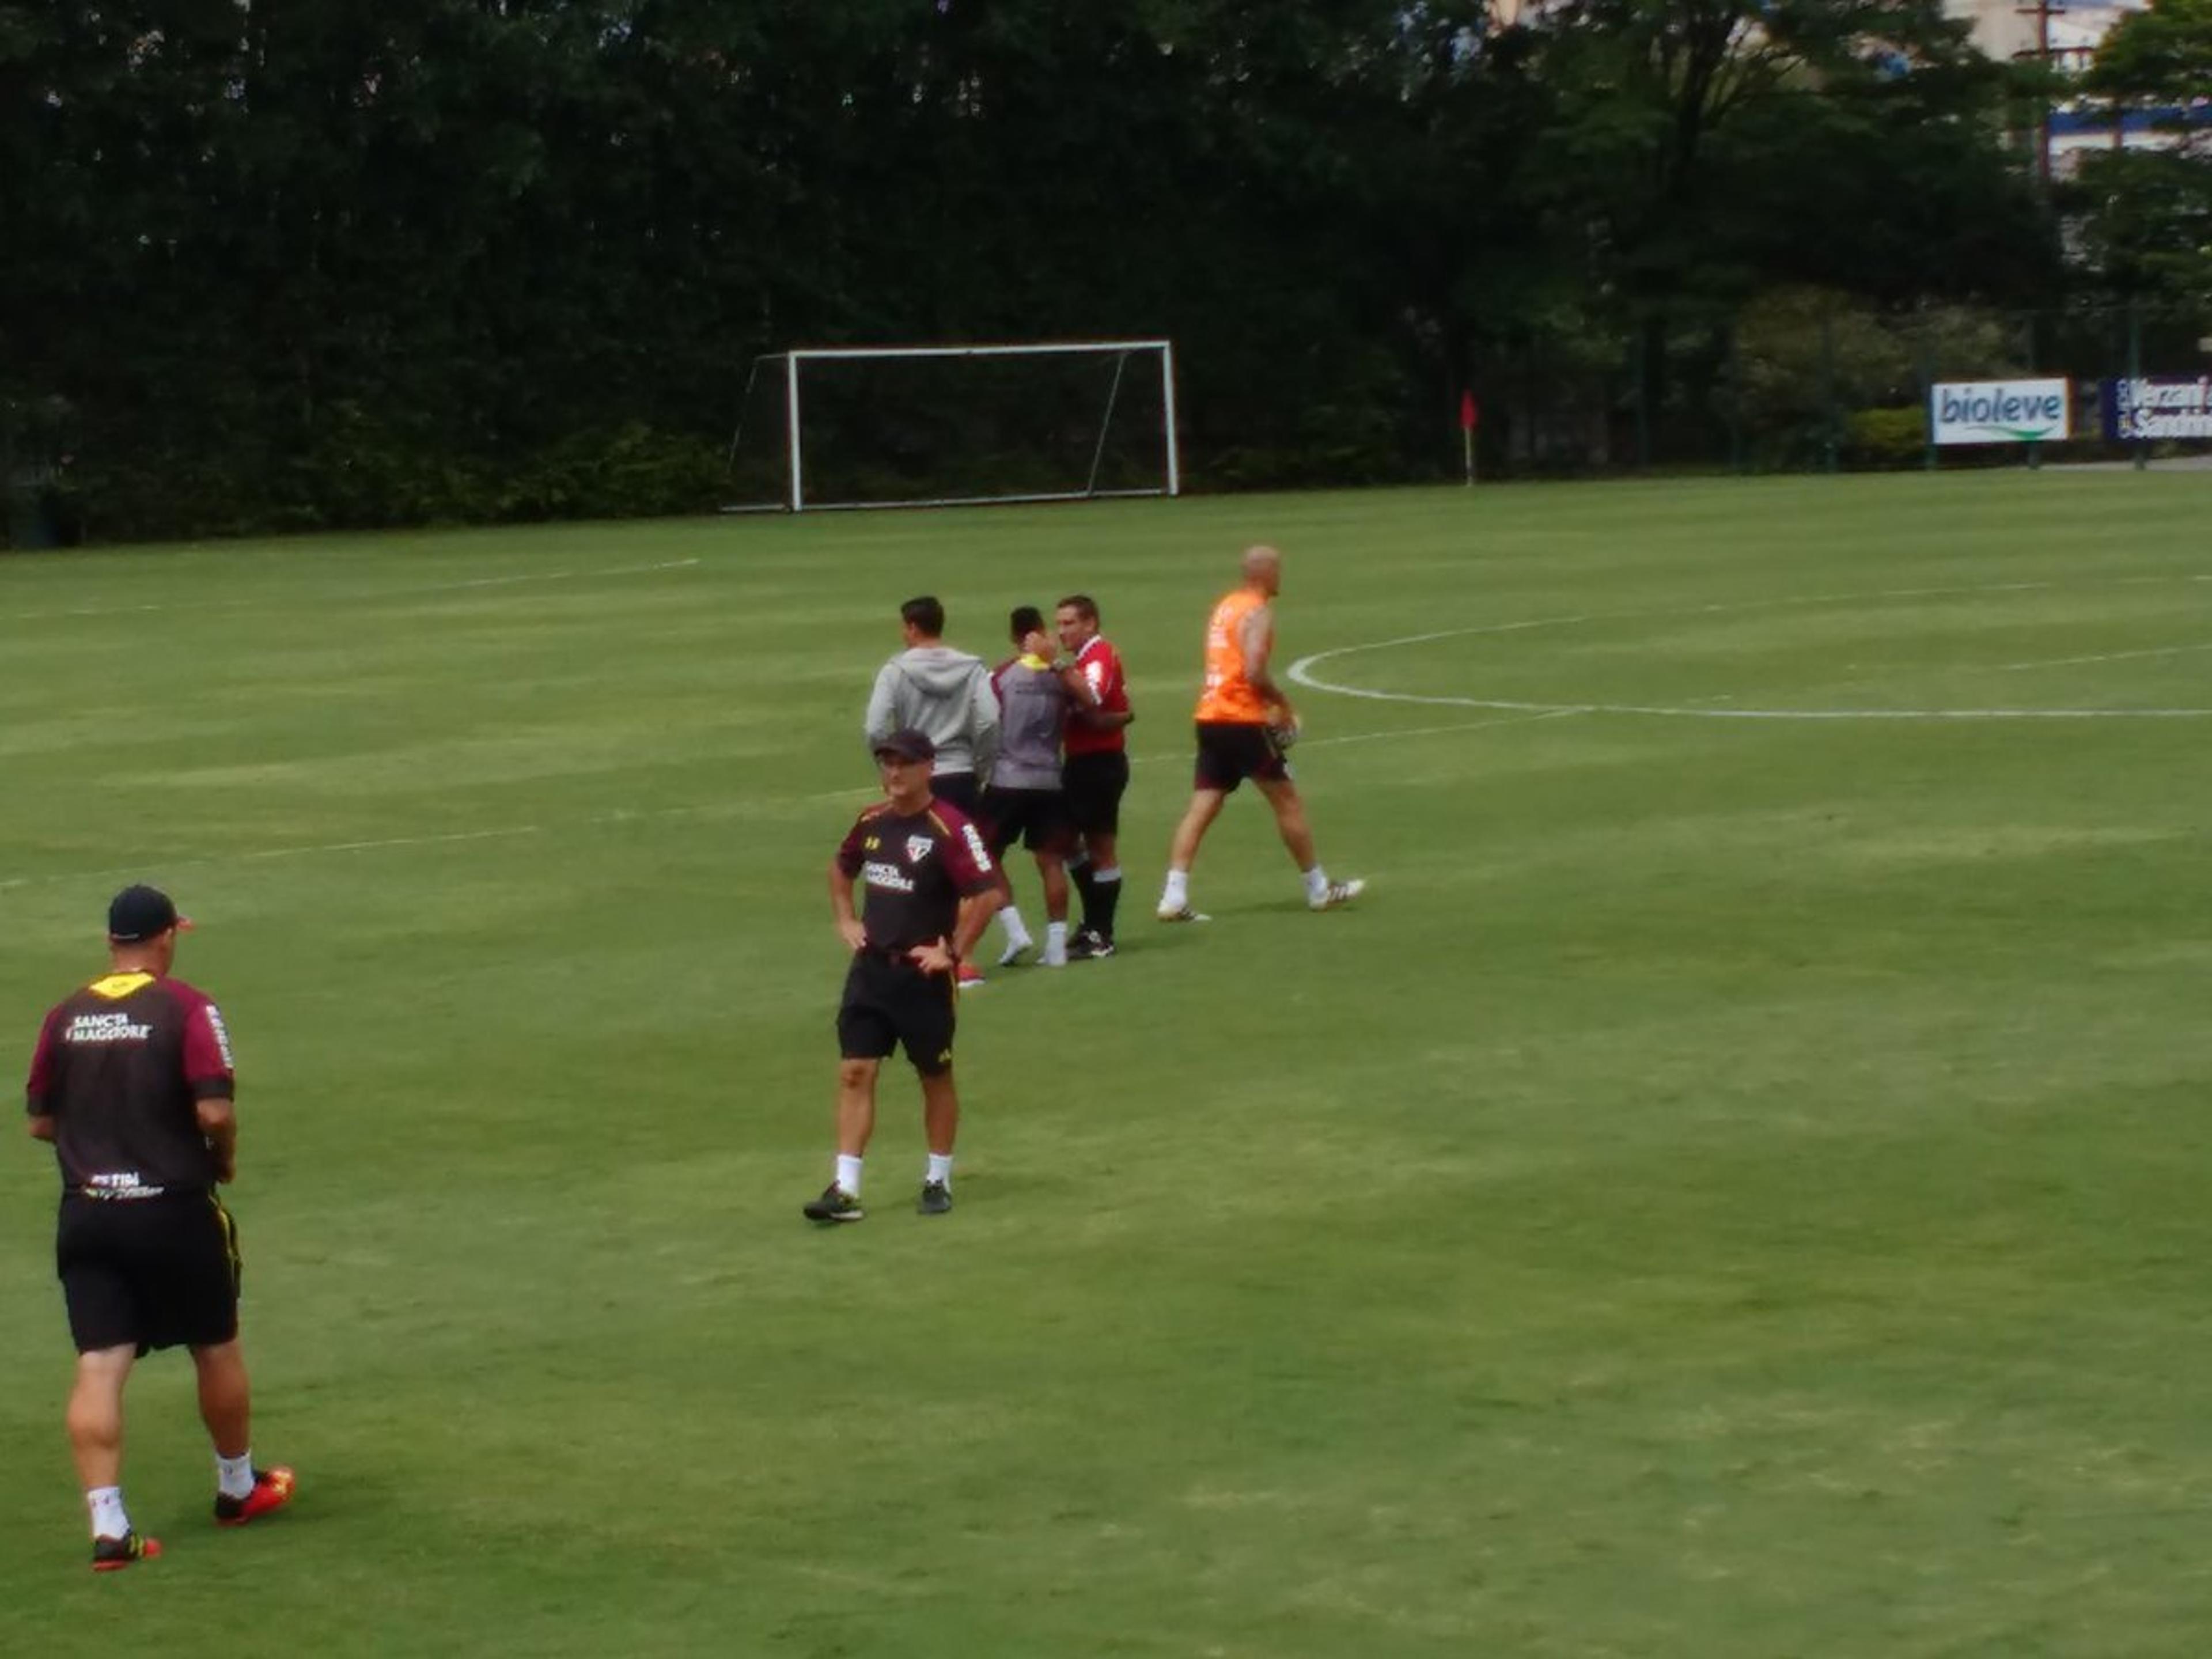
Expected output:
(908, 744)
(137, 914)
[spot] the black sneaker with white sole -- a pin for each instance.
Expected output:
(835, 1205)
(1089, 945)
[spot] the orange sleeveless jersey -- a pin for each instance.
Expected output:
(1228, 696)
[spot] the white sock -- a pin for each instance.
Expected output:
(1317, 882)
(849, 1175)
(108, 1520)
(234, 1476)
(1176, 893)
(1017, 931)
(1104, 876)
(940, 1170)
(1055, 944)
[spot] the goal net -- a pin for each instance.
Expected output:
(948, 426)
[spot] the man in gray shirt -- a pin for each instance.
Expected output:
(1025, 801)
(929, 687)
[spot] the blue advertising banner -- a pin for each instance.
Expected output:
(2157, 406)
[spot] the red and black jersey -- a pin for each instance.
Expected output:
(917, 868)
(1102, 671)
(119, 1067)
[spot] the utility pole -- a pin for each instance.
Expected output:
(2042, 11)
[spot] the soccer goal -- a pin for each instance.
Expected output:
(844, 426)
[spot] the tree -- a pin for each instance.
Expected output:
(2145, 215)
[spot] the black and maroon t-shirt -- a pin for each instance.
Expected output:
(917, 868)
(120, 1067)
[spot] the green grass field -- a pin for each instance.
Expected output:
(1736, 1187)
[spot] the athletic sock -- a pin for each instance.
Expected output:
(849, 1175)
(1086, 888)
(108, 1519)
(1106, 898)
(940, 1171)
(1017, 931)
(1176, 893)
(1055, 942)
(234, 1476)
(1317, 884)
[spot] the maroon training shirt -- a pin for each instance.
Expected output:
(119, 1067)
(917, 869)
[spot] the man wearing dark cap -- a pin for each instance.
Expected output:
(132, 1083)
(932, 888)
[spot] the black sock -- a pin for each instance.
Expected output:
(1099, 901)
(1087, 887)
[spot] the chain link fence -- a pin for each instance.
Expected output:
(1803, 380)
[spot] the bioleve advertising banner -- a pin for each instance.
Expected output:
(2157, 406)
(2000, 412)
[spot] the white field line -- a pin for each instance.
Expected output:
(598, 820)
(341, 597)
(2109, 656)
(1302, 670)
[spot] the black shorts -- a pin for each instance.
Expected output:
(1231, 751)
(148, 1272)
(1035, 818)
(957, 788)
(888, 1003)
(1094, 784)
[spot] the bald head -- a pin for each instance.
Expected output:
(1263, 569)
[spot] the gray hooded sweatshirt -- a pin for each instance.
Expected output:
(946, 693)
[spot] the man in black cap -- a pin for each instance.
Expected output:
(132, 1083)
(932, 888)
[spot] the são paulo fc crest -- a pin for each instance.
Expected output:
(917, 847)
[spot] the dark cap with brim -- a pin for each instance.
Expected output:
(909, 745)
(138, 913)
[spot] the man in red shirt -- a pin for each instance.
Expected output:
(932, 888)
(131, 1081)
(1095, 772)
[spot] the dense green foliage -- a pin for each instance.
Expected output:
(2147, 214)
(362, 261)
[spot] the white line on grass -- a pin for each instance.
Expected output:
(371, 593)
(2109, 656)
(1302, 672)
(632, 815)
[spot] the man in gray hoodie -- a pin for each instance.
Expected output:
(930, 687)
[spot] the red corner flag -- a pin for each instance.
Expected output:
(1469, 414)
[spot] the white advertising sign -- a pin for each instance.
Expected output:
(2000, 412)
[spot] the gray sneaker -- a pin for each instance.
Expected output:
(936, 1199)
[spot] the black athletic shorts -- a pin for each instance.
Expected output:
(1231, 751)
(1094, 784)
(889, 1003)
(1035, 818)
(148, 1272)
(958, 788)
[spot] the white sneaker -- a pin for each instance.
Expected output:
(1338, 892)
(1014, 953)
(1179, 913)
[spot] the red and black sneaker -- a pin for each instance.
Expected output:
(113, 1554)
(272, 1490)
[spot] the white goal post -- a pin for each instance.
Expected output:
(1126, 386)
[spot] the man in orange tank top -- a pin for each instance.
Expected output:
(1245, 724)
